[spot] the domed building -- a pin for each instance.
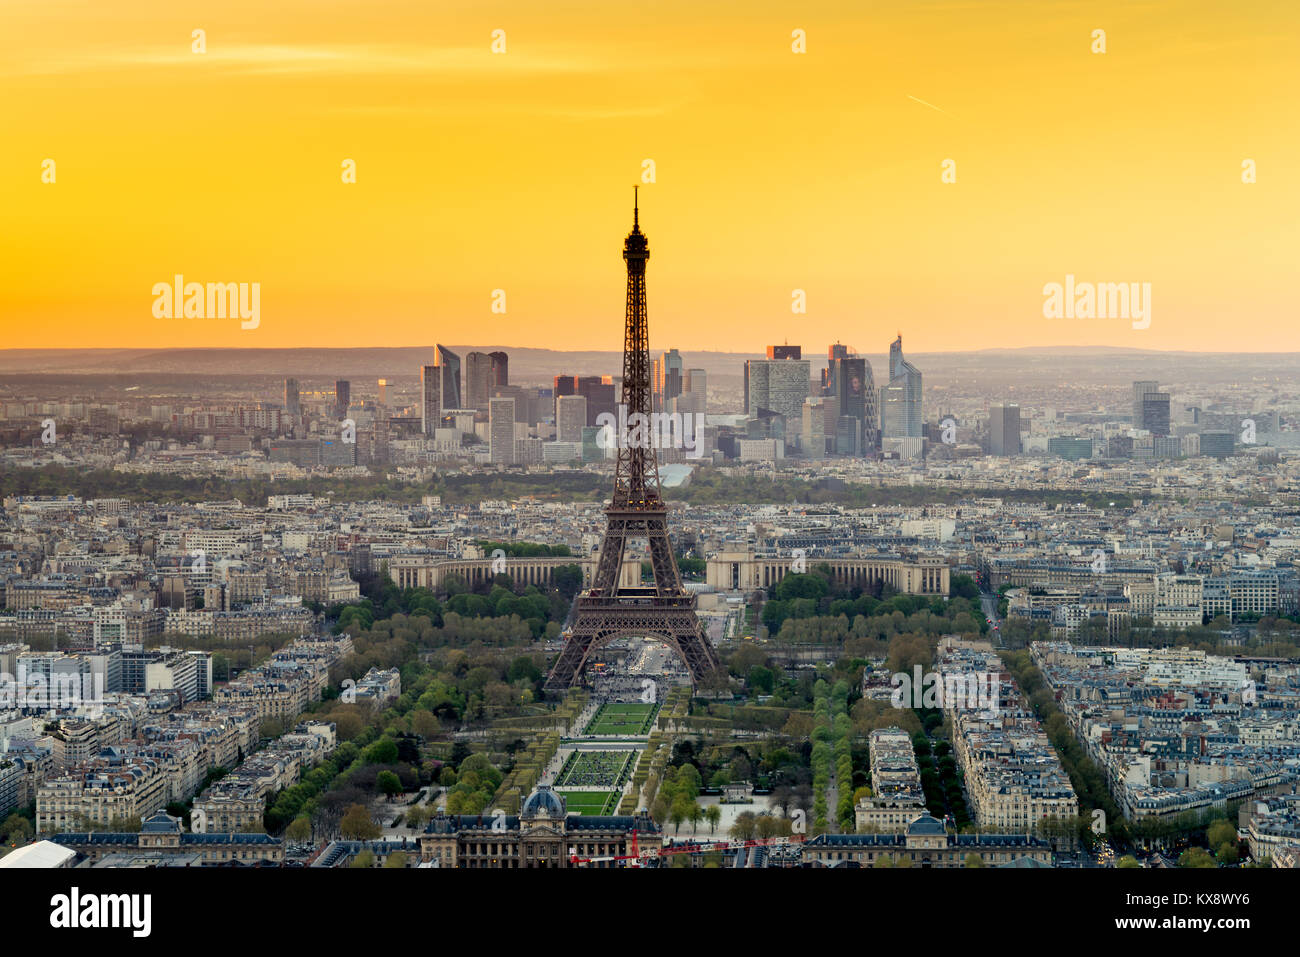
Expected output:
(542, 834)
(543, 803)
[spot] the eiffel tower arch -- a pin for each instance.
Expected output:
(606, 611)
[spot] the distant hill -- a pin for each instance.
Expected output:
(541, 365)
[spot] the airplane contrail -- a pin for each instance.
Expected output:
(930, 105)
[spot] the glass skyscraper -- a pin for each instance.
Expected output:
(900, 401)
(449, 362)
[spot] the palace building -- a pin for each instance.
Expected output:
(927, 843)
(543, 834)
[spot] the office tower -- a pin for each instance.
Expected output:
(342, 397)
(501, 431)
(337, 452)
(667, 383)
(1004, 430)
(430, 399)
(485, 373)
(304, 453)
(848, 379)
(597, 390)
(1155, 413)
(529, 451)
(1218, 443)
(778, 385)
(695, 393)
(600, 395)
(833, 352)
(292, 402)
(570, 418)
(478, 380)
(1150, 407)
(564, 385)
(1072, 447)
(591, 444)
(1140, 389)
(449, 362)
(814, 427)
(848, 435)
(383, 392)
(900, 401)
(500, 369)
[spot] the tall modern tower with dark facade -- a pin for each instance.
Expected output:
(848, 378)
(292, 398)
(665, 610)
(342, 397)
(478, 380)
(449, 362)
(1150, 407)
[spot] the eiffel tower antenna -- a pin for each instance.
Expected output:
(609, 610)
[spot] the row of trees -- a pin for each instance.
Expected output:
(821, 756)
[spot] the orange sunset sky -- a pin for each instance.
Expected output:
(774, 170)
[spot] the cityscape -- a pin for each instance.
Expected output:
(288, 585)
(192, 666)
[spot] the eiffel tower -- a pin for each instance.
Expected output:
(607, 611)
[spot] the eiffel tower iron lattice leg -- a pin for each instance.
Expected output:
(607, 610)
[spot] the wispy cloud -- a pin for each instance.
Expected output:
(263, 59)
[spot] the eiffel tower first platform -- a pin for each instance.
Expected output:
(607, 611)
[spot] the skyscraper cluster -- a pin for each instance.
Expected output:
(845, 415)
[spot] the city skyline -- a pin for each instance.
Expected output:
(934, 502)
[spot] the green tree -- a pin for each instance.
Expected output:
(357, 824)
(383, 751)
(1196, 857)
(389, 784)
(299, 830)
(1220, 832)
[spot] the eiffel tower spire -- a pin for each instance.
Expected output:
(607, 610)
